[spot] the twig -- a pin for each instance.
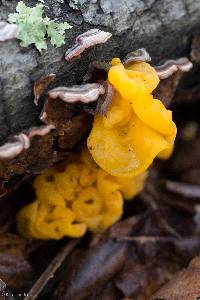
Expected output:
(143, 239)
(51, 269)
(183, 189)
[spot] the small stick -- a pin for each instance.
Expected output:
(142, 239)
(183, 189)
(50, 270)
(86, 40)
(8, 31)
(85, 93)
(140, 54)
(171, 66)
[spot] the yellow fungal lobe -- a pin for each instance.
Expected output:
(137, 128)
(89, 192)
(81, 197)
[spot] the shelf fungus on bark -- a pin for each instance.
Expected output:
(8, 31)
(81, 94)
(22, 142)
(137, 55)
(86, 40)
(85, 93)
(171, 66)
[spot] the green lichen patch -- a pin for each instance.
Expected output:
(34, 28)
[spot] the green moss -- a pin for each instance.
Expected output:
(34, 28)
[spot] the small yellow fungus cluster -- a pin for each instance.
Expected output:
(136, 128)
(88, 193)
(82, 196)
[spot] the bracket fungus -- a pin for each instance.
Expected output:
(22, 141)
(85, 93)
(130, 129)
(140, 54)
(86, 40)
(171, 66)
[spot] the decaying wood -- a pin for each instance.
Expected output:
(133, 25)
(129, 25)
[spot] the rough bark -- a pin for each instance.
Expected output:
(163, 27)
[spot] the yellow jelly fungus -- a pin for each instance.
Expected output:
(82, 196)
(88, 193)
(137, 128)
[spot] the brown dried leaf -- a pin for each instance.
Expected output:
(107, 292)
(139, 281)
(93, 267)
(15, 270)
(183, 286)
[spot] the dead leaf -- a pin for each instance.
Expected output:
(15, 270)
(183, 286)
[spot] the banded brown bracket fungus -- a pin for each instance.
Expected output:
(8, 31)
(85, 93)
(22, 142)
(137, 55)
(41, 85)
(171, 66)
(86, 40)
(82, 196)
